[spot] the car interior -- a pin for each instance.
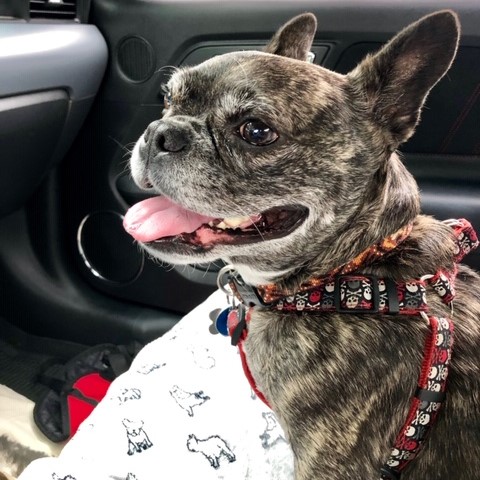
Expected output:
(79, 82)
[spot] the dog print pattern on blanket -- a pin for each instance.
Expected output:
(183, 410)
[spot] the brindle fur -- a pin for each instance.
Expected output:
(340, 384)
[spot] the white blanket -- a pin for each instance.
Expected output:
(183, 410)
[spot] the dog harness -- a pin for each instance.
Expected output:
(344, 291)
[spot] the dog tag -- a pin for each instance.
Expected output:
(221, 322)
(213, 318)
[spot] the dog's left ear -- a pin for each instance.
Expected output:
(295, 38)
(395, 81)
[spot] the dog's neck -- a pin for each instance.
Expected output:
(377, 218)
(390, 203)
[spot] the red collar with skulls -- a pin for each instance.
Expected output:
(348, 292)
(345, 291)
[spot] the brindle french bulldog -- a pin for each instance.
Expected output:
(289, 171)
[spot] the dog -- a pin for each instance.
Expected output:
(188, 400)
(289, 173)
(138, 440)
(213, 449)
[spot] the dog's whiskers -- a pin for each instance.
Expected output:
(166, 67)
(253, 223)
(128, 148)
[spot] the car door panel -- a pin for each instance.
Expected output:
(123, 292)
(50, 75)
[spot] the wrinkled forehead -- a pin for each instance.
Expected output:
(255, 78)
(220, 72)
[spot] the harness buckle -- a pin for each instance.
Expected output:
(358, 296)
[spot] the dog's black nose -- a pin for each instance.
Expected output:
(171, 138)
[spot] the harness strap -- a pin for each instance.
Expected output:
(237, 321)
(426, 403)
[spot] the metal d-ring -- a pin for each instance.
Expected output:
(426, 277)
(452, 222)
(425, 317)
(222, 280)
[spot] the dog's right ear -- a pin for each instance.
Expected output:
(395, 82)
(295, 38)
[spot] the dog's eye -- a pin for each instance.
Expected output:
(257, 133)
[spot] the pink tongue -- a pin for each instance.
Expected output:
(158, 217)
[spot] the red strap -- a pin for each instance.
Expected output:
(443, 282)
(249, 375)
(467, 239)
(232, 324)
(428, 399)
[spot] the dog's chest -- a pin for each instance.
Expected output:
(325, 374)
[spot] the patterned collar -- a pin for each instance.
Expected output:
(270, 293)
(345, 291)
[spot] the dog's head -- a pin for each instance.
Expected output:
(264, 159)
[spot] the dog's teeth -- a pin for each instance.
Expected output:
(231, 222)
(234, 222)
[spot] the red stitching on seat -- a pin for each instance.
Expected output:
(461, 118)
